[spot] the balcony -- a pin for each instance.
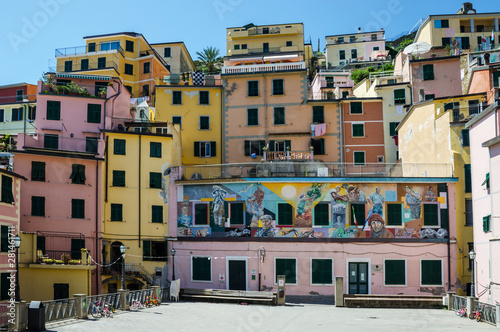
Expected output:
(315, 169)
(82, 65)
(74, 89)
(262, 68)
(288, 155)
(17, 99)
(464, 114)
(82, 50)
(59, 143)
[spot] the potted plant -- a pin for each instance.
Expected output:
(102, 92)
(48, 261)
(65, 258)
(434, 55)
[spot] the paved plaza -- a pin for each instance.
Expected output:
(208, 317)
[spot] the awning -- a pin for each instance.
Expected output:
(281, 57)
(254, 59)
(87, 77)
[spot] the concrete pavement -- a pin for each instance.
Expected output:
(208, 317)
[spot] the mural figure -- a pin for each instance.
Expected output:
(254, 206)
(184, 219)
(430, 196)
(377, 225)
(355, 194)
(267, 229)
(304, 207)
(309, 233)
(219, 196)
(238, 232)
(376, 200)
(412, 201)
(338, 208)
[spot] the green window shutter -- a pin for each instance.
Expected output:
(428, 72)
(196, 149)
(359, 158)
(116, 212)
(177, 97)
(78, 208)
(101, 63)
(279, 116)
(5, 239)
(201, 214)
(155, 180)
(157, 214)
(358, 130)
(431, 273)
(155, 150)
(37, 171)
(357, 212)
(204, 98)
(51, 141)
(252, 117)
(394, 272)
(146, 250)
(486, 181)
(118, 178)
(288, 268)
(78, 174)
(94, 113)
(202, 270)
(318, 114)
(5, 286)
(431, 215)
(278, 87)
(392, 128)
(271, 145)
(146, 67)
(288, 144)
(262, 144)
(129, 69)
(467, 178)
(213, 149)
(496, 77)
(237, 213)
(119, 146)
(321, 215)
(53, 110)
(356, 107)
(247, 148)
(400, 97)
(129, 46)
(486, 224)
(91, 47)
(204, 122)
(253, 88)
(394, 214)
(7, 194)
(38, 206)
(465, 137)
(321, 271)
(285, 214)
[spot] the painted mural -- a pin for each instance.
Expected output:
(313, 210)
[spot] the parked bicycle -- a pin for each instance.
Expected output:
(136, 305)
(476, 314)
(462, 312)
(98, 309)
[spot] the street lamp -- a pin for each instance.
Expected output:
(122, 250)
(472, 256)
(17, 244)
(173, 263)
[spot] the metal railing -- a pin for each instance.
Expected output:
(263, 31)
(141, 271)
(289, 155)
(482, 29)
(62, 143)
(488, 312)
(112, 298)
(77, 66)
(18, 99)
(139, 296)
(458, 302)
(58, 254)
(272, 67)
(59, 309)
(4, 316)
(164, 294)
(74, 89)
(75, 50)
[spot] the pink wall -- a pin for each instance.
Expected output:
(369, 48)
(9, 213)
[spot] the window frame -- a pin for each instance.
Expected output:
(422, 270)
(209, 257)
(92, 145)
(179, 117)
(146, 67)
(201, 146)
(354, 158)
(278, 87)
(128, 69)
(53, 110)
(7, 194)
(117, 208)
(78, 174)
(205, 118)
(253, 91)
(351, 111)
(230, 213)
(428, 72)
(157, 213)
(155, 149)
(177, 97)
(49, 143)
(392, 128)
(118, 146)
(249, 117)
(153, 179)
(321, 142)
(94, 113)
(296, 271)
(388, 213)
(35, 171)
(207, 206)
(205, 100)
(438, 215)
(165, 52)
(318, 114)
(129, 46)
(279, 216)
(40, 206)
(80, 209)
(248, 144)
(355, 206)
(328, 214)
(311, 281)
(276, 116)
(398, 100)
(342, 55)
(353, 131)
(405, 271)
(119, 175)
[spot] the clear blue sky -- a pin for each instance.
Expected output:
(33, 29)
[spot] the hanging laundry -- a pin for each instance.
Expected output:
(319, 129)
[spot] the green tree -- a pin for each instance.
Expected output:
(403, 44)
(209, 59)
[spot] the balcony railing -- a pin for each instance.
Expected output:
(79, 50)
(289, 155)
(478, 29)
(17, 99)
(272, 67)
(263, 31)
(79, 66)
(464, 113)
(74, 89)
(61, 143)
(286, 169)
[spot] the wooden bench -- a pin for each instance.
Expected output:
(229, 295)
(392, 301)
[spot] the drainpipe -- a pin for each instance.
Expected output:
(265, 107)
(341, 131)
(97, 272)
(106, 177)
(140, 145)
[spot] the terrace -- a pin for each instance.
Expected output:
(89, 49)
(262, 68)
(60, 143)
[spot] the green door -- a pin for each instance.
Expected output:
(358, 278)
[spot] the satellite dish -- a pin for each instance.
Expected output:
(417, 48)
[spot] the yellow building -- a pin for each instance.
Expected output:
(176, 56)
(434, 132)
(135, 213)
(465, 29)
(198, 110)
(127, 55)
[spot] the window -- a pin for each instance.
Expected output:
(399, 97)
(465, 137)
(53, 110)
(204, 122)
(486, 181)
(359, 157)
(201, 214)
(157, 214)
(394, 214)
(431, 272)
(428, 72)
(486, 224)
(340, 40)
(352, 39)
(38, 206)
(19, 95)
(204, 98)
(431, 214)
(285, 214)
(110, 46)
(465, 45)
(278, 87)
(155, 180)
(129, 46)
(394, 272)
(243, 46)
(318, 114)
(146, 67)
(155, 251)
(17, 114)
(438, 24)
(177, 98)
(345, 94)
(354, 53)
(286, 267)
(356, 107)
(279, 116)
(254, 148)
(474, 107)
(318, 146)
(76, 249)
(468, 212)
(116, 212)
(288, 43)
(155, 149)
(4, 239)
(429, 97)
(177, 120)
(78, 208)
(78, 174)
(145, 90)
(236, 213)
(84, 64)
(129, 69)
(467, 178)
(201, 268)
(445, 41)
(5, 286)
(68, 66)
(31, 113)
(118, 178)
(91, 144)
(321, 271)
(496, 77)
(91, 47)
(2, 115)
(392, 128)
(342, 54)
(51, 141)
(358, 215)
(167, 52)
(119, 146)
(321, 214)
(252, 117)
(37, 171)
(204, 149)
(376, 48)
(94, 113)
(7, 193)
(101, 63)
(253, 88)
(358, 130)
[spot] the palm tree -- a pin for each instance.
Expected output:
(209, 58)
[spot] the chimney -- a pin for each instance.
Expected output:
(359, 30)
(382, 29)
